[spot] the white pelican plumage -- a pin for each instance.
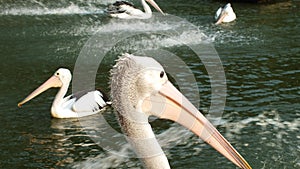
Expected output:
(140, 88)
(126, 10)
(225, 14)
(73, 106)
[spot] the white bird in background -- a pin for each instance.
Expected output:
(126, 10)
(140, 88)
(225, 14)
(76, 105)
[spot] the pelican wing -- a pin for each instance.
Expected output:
(120, 3)
(90, 101)
(218, 13)
(119, 7)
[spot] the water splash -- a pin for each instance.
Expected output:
(157, 32)
(268, 122)
(43, 9)
(116, 159)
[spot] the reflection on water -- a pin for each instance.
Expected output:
(259, 52)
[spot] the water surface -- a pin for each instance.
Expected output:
(260, 54)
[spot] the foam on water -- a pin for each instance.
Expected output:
(231, 35)
(157, 27)
(157, 32)
(266, 119)
(43, 10)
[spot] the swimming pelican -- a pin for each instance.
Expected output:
(140, 88)
(73, 106)
(125, 10)
(225, 14)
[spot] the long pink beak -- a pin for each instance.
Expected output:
(170, 104)
(53, 81)
(221, 18)
(153, 3)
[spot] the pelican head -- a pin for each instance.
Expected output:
(143, 74)
(225, 14)
(140, 88)
(153, 3)
(64, 75)
(61, 77)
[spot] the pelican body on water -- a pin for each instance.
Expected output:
(80, 104)
(140, 88)
(126, 10)
(225, 14)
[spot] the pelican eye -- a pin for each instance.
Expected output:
(162, 73)
(57, 74)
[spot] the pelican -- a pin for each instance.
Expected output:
(140, 88)
(225, 14)
(125, 10)
(76, 105)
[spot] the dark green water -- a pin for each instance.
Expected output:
(260, 53)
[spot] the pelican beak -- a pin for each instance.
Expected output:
(170, 104)
(53, 81)
(153, 3)
(221, 17)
